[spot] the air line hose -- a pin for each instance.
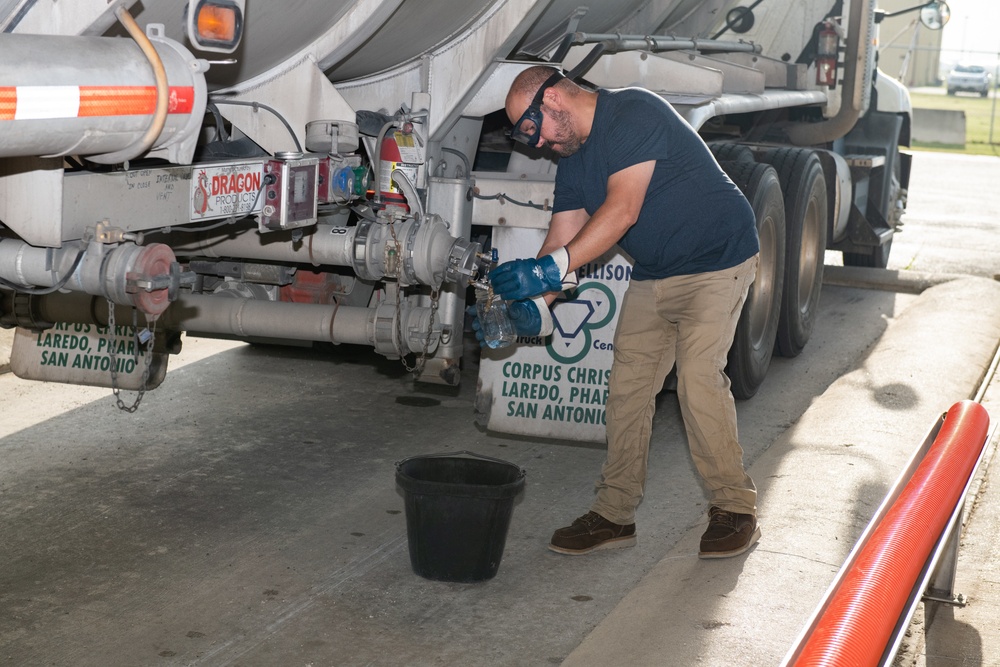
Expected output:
(162, 91)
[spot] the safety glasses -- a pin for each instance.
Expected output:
(528, 128)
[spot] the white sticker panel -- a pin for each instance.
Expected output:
(222, 191)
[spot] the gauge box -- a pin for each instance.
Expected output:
(290, 192)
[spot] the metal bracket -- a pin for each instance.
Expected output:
(171, 282)
(958, 600)
(107, 234)
(864, 231)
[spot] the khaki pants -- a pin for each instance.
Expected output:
(687, 320)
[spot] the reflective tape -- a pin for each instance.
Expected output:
(49, 102)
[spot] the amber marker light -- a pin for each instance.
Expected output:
(215, 25)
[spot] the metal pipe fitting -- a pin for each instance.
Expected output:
(390, 330)
(128, 274)
(415, 252)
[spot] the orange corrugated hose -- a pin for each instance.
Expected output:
(859, 620)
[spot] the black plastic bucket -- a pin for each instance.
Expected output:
(458, 509)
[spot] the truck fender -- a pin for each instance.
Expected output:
(839, 191)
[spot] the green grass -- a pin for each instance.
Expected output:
(978, 114)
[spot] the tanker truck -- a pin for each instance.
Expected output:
(340, 172)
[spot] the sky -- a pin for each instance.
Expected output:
(974, 29)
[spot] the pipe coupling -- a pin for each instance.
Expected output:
(401, 331)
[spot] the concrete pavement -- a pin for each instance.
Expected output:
(6, 340)
(969, 635)
(209, 530)
(819, 485)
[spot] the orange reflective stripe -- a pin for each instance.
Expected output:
(131, 100)
(106, 100)
(8, 102)
(117, 100)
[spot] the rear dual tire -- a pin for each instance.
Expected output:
(753, 343)
(804, 186)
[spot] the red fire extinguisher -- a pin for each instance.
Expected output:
(401, 154)
(826, 56)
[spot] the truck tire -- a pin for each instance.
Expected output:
(753, 344)
(804, 188)
(728, 152)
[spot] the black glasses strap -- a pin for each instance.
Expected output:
(549, 82)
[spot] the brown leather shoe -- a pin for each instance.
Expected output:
(728, 534)
(592, 532)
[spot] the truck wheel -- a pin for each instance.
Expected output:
(727, 152)
(804, 187)
(753, 344)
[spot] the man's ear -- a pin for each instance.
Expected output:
(553, 98)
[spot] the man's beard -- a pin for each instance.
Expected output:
(566, 139)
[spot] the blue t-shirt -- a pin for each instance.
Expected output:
(693, 220)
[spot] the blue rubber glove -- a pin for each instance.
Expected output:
(477, 327)
(524, 315)
(525, 278)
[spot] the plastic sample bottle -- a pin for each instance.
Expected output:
(494, 321)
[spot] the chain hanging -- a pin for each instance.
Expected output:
(418, 368)
(113, 356)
